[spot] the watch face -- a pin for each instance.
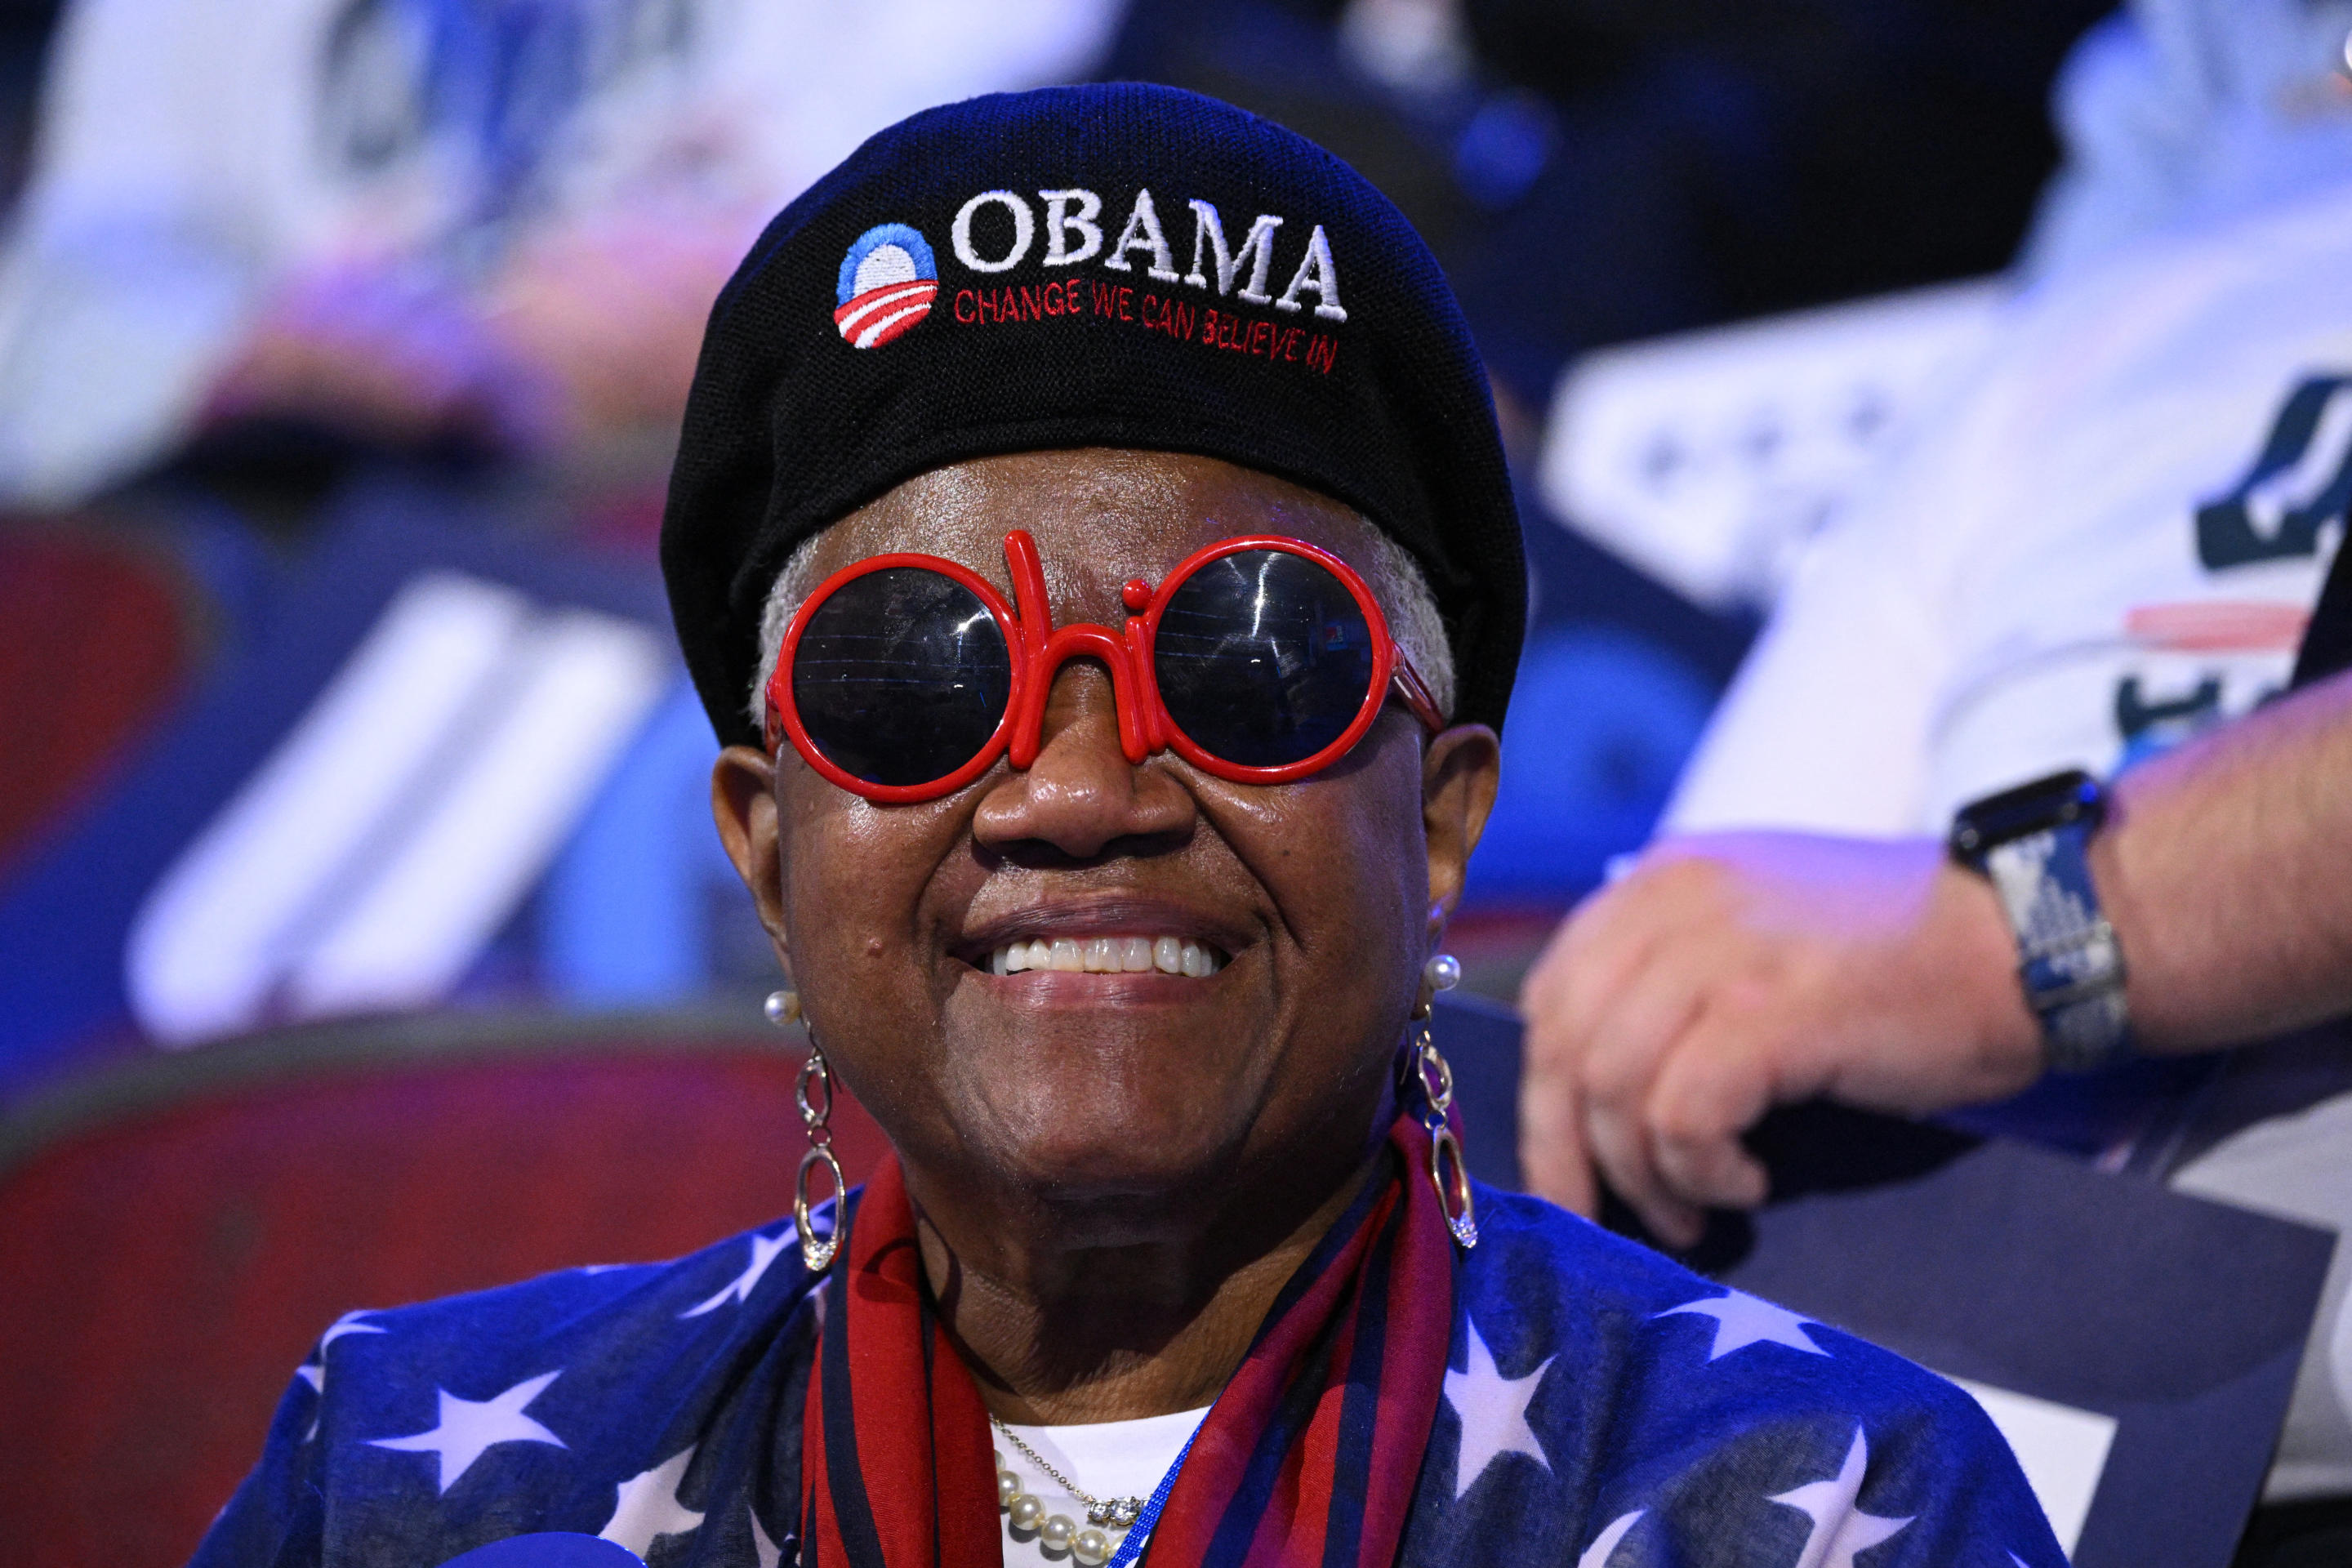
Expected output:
(2072, 796)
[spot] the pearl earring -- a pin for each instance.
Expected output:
(783, 1008)
(1441, 973)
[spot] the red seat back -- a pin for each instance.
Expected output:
(163, 1269)
(93, 643)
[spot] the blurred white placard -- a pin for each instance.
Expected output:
(1708, 459)
(2060, 1449)
(375, 854)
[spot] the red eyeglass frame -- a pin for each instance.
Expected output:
(1038, 650)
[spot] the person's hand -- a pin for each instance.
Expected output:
(1729, 974)
(390, 355)
(586, 335)
(613, 313)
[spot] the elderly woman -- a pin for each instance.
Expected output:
(1095, 493)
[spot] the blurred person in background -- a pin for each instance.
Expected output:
(2101, 556)
(487, 228)
(1596, 171)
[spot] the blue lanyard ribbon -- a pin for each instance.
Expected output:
(1138, 1534)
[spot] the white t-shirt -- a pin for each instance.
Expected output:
(2082, 557)
(1108, 1458)
(2108, 543)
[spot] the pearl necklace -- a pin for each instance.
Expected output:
(1092, 1545)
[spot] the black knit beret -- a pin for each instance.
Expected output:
(1104, 266)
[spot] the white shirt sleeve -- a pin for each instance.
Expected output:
(1824, 730)
(140, 241)
(1829, 725)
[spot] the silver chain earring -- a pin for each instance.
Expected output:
(1435, 1078)
(813, 1095)
(816, 1097)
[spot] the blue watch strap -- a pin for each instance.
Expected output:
(2072, 969)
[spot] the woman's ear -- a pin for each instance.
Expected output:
(1459, 777)
(744, 804)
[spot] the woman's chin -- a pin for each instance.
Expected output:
(1124, 1119)
(1155, 1063)
(1085, 1153)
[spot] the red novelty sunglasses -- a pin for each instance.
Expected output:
(1260, 660)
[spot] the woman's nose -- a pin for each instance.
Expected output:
(1082, 794)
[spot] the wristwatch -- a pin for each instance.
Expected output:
(2033, 842)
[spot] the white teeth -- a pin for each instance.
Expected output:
(1107, 955)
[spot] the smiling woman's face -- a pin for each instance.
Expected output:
(1126, 1103)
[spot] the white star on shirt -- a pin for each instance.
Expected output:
(1839, 1529)
(764, 1252)
(470, 1425)
(1742, 1319)
(1597, 1556)
(1494, 1412)
(769, 1554)
(649, 1506)
(316, 1376)
(349, 1323)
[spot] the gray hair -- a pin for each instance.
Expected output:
(1394, 575)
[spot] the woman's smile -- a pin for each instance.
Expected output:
(1110, 947)
(1107, 956)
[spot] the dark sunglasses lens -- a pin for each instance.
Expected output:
(1263, 658)
(901, 676)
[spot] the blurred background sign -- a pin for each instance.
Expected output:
(382, 844)
(1708, 459)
